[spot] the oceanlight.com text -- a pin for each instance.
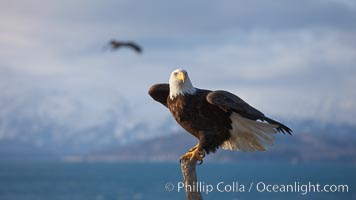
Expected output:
(302, 188)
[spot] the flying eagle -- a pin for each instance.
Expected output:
(216, 118)
(118, 44)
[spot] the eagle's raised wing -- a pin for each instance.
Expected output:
(230, 102)
(159, 92)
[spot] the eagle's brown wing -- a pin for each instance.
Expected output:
(134, 46)
(230, 102)
(159, 92)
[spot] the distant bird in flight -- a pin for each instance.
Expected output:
(118, 44)
(218, 119)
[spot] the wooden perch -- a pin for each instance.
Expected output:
(190, 178)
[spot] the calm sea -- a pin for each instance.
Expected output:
(104, 181)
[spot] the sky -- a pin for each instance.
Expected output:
(290, 59)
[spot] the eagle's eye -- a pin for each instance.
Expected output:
(175, 73)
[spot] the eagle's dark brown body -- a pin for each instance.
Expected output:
(219, 119)
(201, 118)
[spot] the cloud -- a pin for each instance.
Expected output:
(299, 74)
(285, 57)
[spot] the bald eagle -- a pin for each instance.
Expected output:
(118, 44)
(218, 119)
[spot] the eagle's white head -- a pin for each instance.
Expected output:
(179, 84)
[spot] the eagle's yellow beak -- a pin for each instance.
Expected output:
(181, 76)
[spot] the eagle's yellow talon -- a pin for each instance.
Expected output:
(193, 148)
(195, 153)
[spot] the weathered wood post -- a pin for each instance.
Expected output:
(190, 178)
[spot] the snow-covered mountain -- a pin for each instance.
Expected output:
(55, 123)
(63, 122)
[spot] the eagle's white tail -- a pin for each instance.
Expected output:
(249, 135)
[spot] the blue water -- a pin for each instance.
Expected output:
(104, 181)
